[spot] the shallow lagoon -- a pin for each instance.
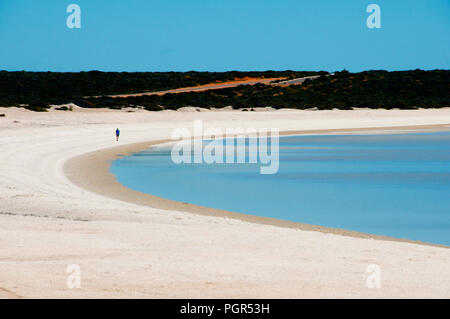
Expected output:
(393, 184)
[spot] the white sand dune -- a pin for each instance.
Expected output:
(128, 250)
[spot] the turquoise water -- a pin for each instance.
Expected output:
(395, 184)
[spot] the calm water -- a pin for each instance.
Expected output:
(396, 185)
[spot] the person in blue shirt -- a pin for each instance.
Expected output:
(117, 134)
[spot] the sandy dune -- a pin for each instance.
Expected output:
(130, 250)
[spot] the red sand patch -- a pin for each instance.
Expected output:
(211, 86)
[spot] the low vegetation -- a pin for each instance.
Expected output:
(342, 90)
(58, 88)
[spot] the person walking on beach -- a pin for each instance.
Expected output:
(117, 134)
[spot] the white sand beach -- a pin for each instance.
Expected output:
(131, 250)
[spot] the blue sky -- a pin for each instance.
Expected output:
(213, 35)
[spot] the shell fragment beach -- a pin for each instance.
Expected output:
(127, 249)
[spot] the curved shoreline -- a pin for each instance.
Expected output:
(91, 171)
